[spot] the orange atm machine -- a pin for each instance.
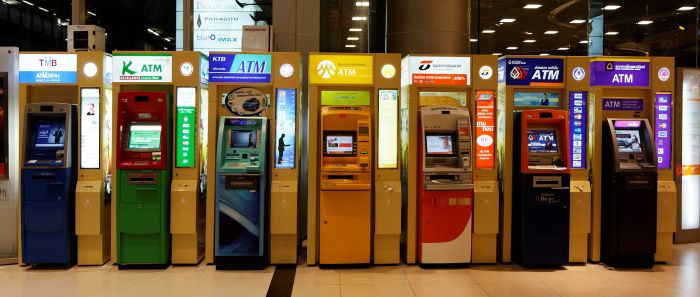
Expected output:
(346, 185)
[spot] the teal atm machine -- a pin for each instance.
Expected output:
(48, 182)
(240, 193)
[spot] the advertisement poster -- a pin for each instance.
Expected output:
(690, 157)
(436, 70)
(285, 129)
(345, 97)
(536, 99)
(578, 129)
(48, 68)
(246, 101)
(142, 68)
(623, 104)
(240, 68)
(663, 129)
(485, 129)
(620, 72)
(388, 123)
(532, 71)
(90, 128)
(443, 98)
(185, 127)
(341, 69)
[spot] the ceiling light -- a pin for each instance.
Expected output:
(43, 9)
(10, 2)
(497, 54)
(612, 33)
(551, 32)
(355, 30)
(91, 13)
(644, 22)
(544, 54)
(564, 48)
(529, 41)
(353, 38)
(166, 39)
(473, 40)
(488, 31)
(577, 21)
(583, 41)
(350, 45)
(359, 18)
(28, 3)
(507, 20)
(152, 32)
(512, 48)
(611, 7)
(528, 33)
(362, 3)
(680, 27)
(685, 8)
(532, 6)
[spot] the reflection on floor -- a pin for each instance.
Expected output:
(680, 278)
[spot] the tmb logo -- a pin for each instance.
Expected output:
(326, 69)
(425, 65)
(518, 73)
(48, 62)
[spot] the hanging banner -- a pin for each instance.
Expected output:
(577, 129)
(485, 129)
(662, 129)
(451, 71)
(620, 72)
(142, 68)
(546, 72)
(341, 69)
(240, 68)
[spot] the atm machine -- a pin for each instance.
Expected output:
(143, 178)
(48, 184)
(241, 196)
(541, 188)
(445, 186)
(346, 185)
(628, 208)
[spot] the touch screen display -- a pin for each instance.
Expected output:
(144, 137)
(628, 141)
(244, 139)
(439, 144)
(542, 141)
(50, 135)
(339, 144)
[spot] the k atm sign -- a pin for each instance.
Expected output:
(531, 71)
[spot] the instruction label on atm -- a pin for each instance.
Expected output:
(662, 120)
(485, 119)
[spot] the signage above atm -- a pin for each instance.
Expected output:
(135, 67)
(547, 72)
(341, 69)
(240, 68)
(436, 70)
(620, 72)
(48, 68)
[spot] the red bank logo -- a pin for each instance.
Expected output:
(425, 65)
(518, 73)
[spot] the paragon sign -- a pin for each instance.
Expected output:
(218, 24)
(341, 69)
(453, 71)
(48, 68)
(143, 68)
(240, 68)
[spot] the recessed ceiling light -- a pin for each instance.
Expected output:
(355, 29)
(680, 27)
(353, 38)
(507, 20)
(91, 13)
(611, 7)
(644, 22)
(362, 3)
(473, 40)
(529, 41)
(563, 48)
(497, 54)
(544, 54)
(612, 33)
(28, 3)
(551, 32)
(577, 21)
(350, 45)
(532, 6)
(167, 39)
(528, 33)
(686, 8)
(488, 31)
(512, 48)
(43, 9)
(583, 41)
(359, 18)
(153, 32)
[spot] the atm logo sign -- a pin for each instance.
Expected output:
(326, 69)
(48, 69)
(240, 68)
(341, 69)
(143, 68)
(532, 71)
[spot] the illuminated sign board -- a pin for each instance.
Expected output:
(218, 24)
(141, 68)
(536, 99)
(341, 69)
(285, 129)
(90, 128)
(388, 123)
(453, 71)
(345, 98)
(240, 68)
(662, 129)
(620, 72)
(48, 68)
(578, 129)
(485, 129)
(545, 72)
(185, 127)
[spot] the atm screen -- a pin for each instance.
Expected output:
(628, 141)
(339, 144)
(440, 144)
(50, 135)
(144, 137)
(542, 141)
(243, 139)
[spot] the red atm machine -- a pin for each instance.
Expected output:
(445, 186)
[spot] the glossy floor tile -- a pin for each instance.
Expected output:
(679, 278)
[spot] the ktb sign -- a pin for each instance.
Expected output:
(240, 68)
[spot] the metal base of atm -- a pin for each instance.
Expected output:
(240, 263)
(445, 228)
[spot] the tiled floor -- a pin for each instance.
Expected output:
(680, 278)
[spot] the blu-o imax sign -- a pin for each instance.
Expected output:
(240, 68)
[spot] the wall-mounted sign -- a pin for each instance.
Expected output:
(485, 132)
(90, 128)
(578, 73)
(345, 98)
(218, 24)
(388, 128)
(48, 68)
(143, 68)
(532, 72)
(620, 72)
(536, 99)
(186, 69)
(185, 135)
(485, 72)
(578, 129)
(664, 74)
(388, 71)
(623, 104)
(285, 129)
(341, 69)
(240, 68)
(662, 129)
(453, 71)
(286, 70)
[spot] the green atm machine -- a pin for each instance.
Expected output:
(241, 184)
(143, 178)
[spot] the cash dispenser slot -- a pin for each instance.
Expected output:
(547, 182)
(46, 176)
(237, 182)
(142, 178)
(341, 177)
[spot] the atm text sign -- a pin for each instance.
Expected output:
(341, 69)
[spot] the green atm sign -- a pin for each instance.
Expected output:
(185, 127)
(142, 67)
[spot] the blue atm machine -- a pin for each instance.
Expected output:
(48, 184)
(241, 184)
